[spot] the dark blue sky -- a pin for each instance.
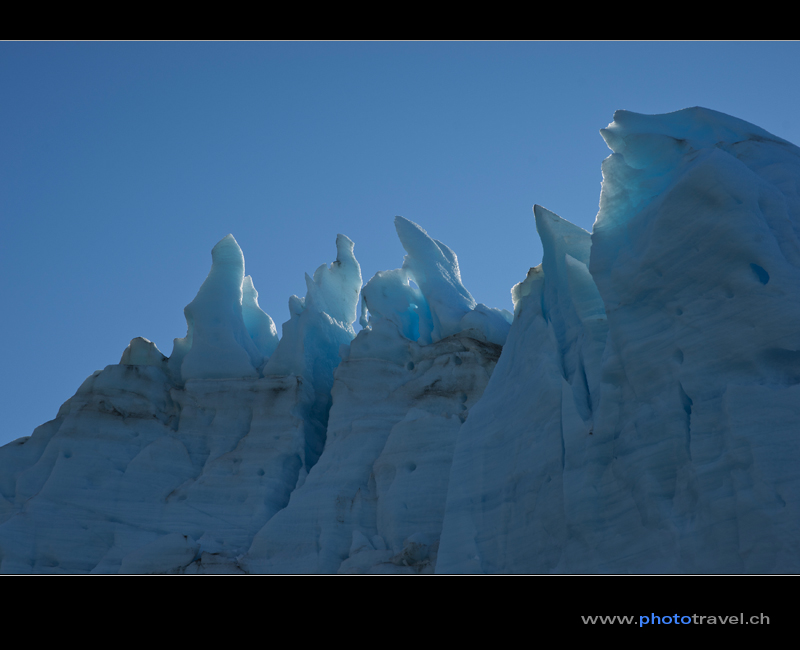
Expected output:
(124, 163)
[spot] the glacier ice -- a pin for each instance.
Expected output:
(374, 502)
(398, 407)
(217, 344)
(502, 471)
(434, 268)
(320, 324)
(141, 352)
(322, 320)
(636, 414)
(160, 466)
(690, 368)
(425, 298)
(260, 326)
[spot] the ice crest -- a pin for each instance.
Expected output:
(425, 298)
(323, 319)
(434, 267)
(319, 325)
(650, 152)
(141, 352)
(640, 416)
(217, 344)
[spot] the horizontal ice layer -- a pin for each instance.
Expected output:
(487, 323)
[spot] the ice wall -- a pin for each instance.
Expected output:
(702, 288)
(641, 418)
(158, 465)
(509, 462)
(681, 459)
(374, 502)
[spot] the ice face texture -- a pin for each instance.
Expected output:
(374, 502)
(505, 466)
(158, 467)
(681, 459)
(638, 416)
(320, 324)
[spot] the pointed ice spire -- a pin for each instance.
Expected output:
(571, 304)
(217, 344)
(560, 237)
(319, 325)
(434, 267)
(335, 289)
(321, 321)
(425, 299)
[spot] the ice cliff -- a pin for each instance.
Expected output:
(638, 413)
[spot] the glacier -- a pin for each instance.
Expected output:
(637, 413)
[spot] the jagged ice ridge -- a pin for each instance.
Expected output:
(637, 413)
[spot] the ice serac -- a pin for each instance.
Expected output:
(151, 470)
(572, 306)
(319, 325)
(434, 267)
(139, 475)
(642, 417)
(217, 344)
(701, 284)
(374, 502)
(545, 385)
(686, 467)
(426, 298)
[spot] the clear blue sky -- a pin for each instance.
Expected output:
(124, 163)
